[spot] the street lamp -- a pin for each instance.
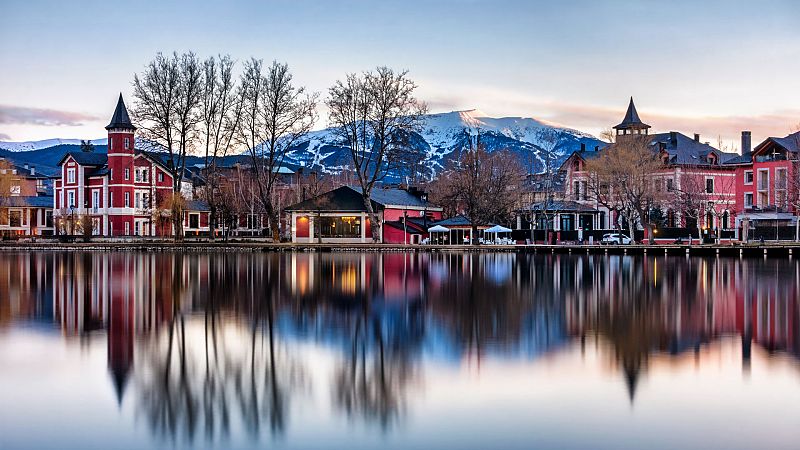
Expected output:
(72, 220)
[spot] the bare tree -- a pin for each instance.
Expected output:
(6, 182)
(722, 200)
(622, 179)
(793, 182)
(484, 187)
(278, 115)
(374, 114)
(167, 102)
(690, 197)
(220, 112)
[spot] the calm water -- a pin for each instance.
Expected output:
(455, 351)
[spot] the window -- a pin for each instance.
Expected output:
(127, 143)
(137, 200)
(110, 144)
(341, 227)
(110, 199)
(748, 199)
(61, 199)
(194, 220)
(670, 185)
(95, 200)
(748, 177)
(127, 203)
(70, 175)
(127, 228)
(48, 219)
(160, 177)
(709, 185)
(127, 173)
(110, 174)
(145, 201)
(15, 218)
(576, 188)
(763, 180)
(780, 179)
(70, 199)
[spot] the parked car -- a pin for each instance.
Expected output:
(615, 238)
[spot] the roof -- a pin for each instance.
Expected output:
(86, 158)
(457, 221)
(30, 201)
(197, 205)
(120, 118)
(631, 120)
(746, 158)
(790, 143)
(684, 150)
(349, 199)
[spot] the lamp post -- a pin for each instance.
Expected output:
(72, 220)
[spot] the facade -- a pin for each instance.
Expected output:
(120, 192)
(339, 216)
(688, 164)
(26, 209)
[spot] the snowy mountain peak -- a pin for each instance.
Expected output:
(27, 146)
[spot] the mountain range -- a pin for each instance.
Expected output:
(439, 143)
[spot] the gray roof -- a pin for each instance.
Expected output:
(31, 201)
(86, 158)
(684, 150)
(120, 118)
(399, 197)
(197, 205)
(747, 158)
(790, 143)
(457, 221)
(631, 119)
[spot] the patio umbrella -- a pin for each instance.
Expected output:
(439, 229)
(497, 229)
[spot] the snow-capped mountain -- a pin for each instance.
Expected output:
(47, 143)
(444, 136)
(440, 141)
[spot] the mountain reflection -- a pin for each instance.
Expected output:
(203, 342)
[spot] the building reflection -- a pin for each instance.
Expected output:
(209, 336)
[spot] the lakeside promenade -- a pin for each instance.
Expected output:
(756, 249)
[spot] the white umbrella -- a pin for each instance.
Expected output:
(497, 229)
(439, 229)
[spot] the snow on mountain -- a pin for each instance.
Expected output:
(47, 143)
(444, 135)
(439, 143)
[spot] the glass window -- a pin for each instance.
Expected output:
(709, 185)
(15, 218)
(748, 177)
(194, 220)
(127, 200)
(70, 175)
(748, 199)
(341, 227)
(127, 174)
(127, 143)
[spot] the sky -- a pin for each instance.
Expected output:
(710, 67)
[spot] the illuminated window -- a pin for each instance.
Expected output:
(341, 227)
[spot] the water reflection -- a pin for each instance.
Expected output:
(209, 345)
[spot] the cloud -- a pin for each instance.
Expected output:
(40, 116)
(4, 137)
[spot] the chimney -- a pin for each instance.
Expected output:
(697, 137)
(583, 146)
(33, 170)
(673, 138)
(746, 142)
(26, 166)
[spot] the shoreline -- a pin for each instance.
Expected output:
(767, 249)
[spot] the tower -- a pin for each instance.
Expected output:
(120, 172)
(631, 124)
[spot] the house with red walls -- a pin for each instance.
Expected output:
(340, 216)
(688, 165)
(121, 191)
(767, 183)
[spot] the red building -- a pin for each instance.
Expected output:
(122, 190)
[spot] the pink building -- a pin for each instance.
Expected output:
(121, 190)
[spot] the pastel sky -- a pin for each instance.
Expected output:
(711, 67)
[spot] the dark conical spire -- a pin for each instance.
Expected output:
(120, 118)
(631, 120)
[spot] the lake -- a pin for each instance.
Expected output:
(397, 350)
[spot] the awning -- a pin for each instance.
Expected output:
(438, 229)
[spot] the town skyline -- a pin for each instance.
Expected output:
(559, 65)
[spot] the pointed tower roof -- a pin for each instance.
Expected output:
(120, 118)
(631, 120)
